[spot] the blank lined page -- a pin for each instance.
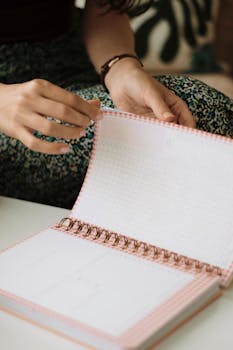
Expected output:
(96, 285)
(163, 185)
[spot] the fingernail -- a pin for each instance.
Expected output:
(168, 116)
(64, 150)
(82, 133)
(99, 116)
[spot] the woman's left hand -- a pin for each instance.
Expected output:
(134, 90)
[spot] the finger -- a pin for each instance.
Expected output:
(161, 109)
(180, 108)
(51, 128)
(67, 98)
(95, 102)
(186, 117)
(38, 145)
(60, 111)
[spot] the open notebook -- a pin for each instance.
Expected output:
(148, 243)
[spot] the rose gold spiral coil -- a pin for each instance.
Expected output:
(85, 230)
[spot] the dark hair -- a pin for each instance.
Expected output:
(131, 7)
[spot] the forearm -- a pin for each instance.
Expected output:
(106, 36)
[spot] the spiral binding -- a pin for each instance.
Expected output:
(114, 239)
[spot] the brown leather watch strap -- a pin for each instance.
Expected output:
(107, 65)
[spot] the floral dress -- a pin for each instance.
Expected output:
(57, 179)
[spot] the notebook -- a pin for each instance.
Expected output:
(148, 243)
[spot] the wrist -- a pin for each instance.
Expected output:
(120, 71)
(114, 64)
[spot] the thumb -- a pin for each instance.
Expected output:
(94, 102)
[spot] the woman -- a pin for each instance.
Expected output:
(45, 72)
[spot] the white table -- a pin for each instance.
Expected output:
(211, 329)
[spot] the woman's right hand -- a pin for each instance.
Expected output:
(24, 108)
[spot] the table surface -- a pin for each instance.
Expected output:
(212, 328)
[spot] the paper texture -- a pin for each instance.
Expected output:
(98, 286)
(163, 185)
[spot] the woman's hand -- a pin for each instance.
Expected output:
(24, 108)
(134, 90)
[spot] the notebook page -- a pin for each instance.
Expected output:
(162, 185)
(96, 285)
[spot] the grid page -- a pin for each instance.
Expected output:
(98, 286)
(162, 185)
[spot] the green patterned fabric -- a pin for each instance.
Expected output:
(56, 180)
